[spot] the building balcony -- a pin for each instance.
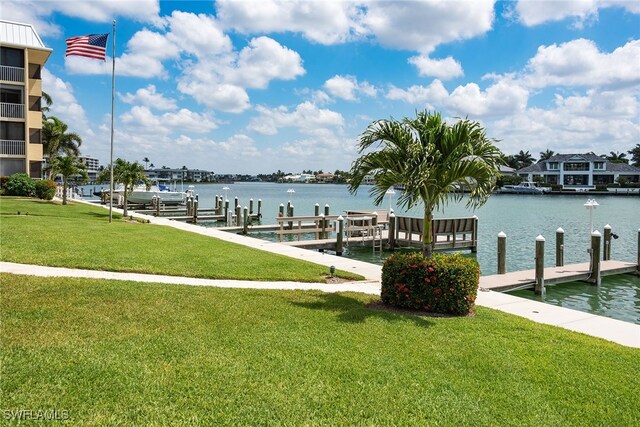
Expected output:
(11, 111)
(11, 147)
(11, 74)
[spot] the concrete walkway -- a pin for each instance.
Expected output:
(624, 333)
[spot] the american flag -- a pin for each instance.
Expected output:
(91, 46)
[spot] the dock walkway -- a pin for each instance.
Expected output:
(552, 275)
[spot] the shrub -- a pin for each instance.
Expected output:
(3, 182)
(45, 189)
(20, 185)
(508, 180)
(556, 187)
(443, 284)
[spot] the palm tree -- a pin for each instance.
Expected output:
(67, 166)
(524, 159)
(430, 159)
(48, 101)
(617, 157)
(151, 166)
(126, 173)
(511, 161)
(635, 155)
(56, 138)
(146, 160)
(546, 155)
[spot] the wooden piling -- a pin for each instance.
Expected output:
(474, 235)
(238, 216)
(316, 210)
(291, 214)
(259, 208)
(594, 272)
(559, 247)
(606, 250)
(325, 234)
(281, 211)
(502, 253)
(236, 203)
(323, 226)
(195, 210)
(539, 285)
(226, 209)
(638, 269)
(392, 231)
(156, 200)
(339, 236)
(251, 206)
(245, 223)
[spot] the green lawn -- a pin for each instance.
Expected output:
(123, 353)
(79, 236)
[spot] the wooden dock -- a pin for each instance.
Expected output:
(553, 275)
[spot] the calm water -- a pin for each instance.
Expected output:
(618, 297)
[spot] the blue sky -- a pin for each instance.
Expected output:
(255, 86)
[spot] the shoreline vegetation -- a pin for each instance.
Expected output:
(79, 236)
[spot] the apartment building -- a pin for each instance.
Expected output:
(22, 56)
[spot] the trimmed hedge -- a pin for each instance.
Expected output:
(446, 283)
(20, 184)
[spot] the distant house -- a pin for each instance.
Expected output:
(303, 177)
(579, 171)
(325, 177)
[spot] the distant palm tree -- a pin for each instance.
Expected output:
(151, 166)
(635, 155)
(126, 173)
(511, 161)
(48, 101)
(430, 159)
(524, 159)
(617, 157)
(146, 160)
(546, 155)
(67, 166)
(56, 139)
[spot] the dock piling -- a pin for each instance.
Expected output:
(392, 231)
(638, 269)
(539, 285)
(502, 253)
(245, 223)
(594, 271)
(238, 216)
(251, 206)
(226, 211)
(339, 236)
(259, 208)
(559, 247)
(606, 251)
(325, 223)
(236, 203)
(195, 210)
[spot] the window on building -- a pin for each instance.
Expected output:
(11, 94)
(12, 131)
(576, 166)
(35, 136)
(12, 57)
(34, 103)
(9, 167)
(35, 169)
(553, 166)
(598, 166)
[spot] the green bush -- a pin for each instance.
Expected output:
(508, 180)
(45, 189)
(20, 185)
(443, 284)
(556, 187)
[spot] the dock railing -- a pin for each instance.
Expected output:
(319, 225)
(448, 233)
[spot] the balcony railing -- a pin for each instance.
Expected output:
(11, 74)
(9, 147)
(11, 111)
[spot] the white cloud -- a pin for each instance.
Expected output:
(594, 122)
(429, 96)
(319, 21)
(443, 69)
(307, 118)
(30, 13)
(535, 12)
(148, 97)
(502, 98)
(421, 26)
(580, 63)
(141, 117)
(200, 35)
(348, 87)
(65, 105)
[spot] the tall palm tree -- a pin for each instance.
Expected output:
(430, 159)
(524, 159)
(57, 139)
(617, 157)
(635, 155)
(146, 161)
(546, 155)
(126, 173)
(68, 167)
(48, 101)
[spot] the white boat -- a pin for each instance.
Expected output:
(143, 196)
(525, 187)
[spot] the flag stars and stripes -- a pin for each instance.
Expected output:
(90, 46)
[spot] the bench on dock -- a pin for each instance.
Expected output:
(448, 233)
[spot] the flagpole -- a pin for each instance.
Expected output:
(113, 97)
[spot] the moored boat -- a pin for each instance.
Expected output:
(525, 187)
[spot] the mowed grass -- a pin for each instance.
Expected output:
(79, 236)
(124, 353)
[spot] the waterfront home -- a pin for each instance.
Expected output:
(303, 177)
(23, 55)
(322, 178)
(580, 171)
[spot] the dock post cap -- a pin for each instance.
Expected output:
(392, 214)
(595, 233)
(259, 200)
(607, 227)
(540, 238)
(317, 204)
(375, 213)
(282, 205)
(251, 199)
(340, 218)
(502, 234)
(327, 204)
(322, 215)
(246, 207)
(559, 230)
(475, 217)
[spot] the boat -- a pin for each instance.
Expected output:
(141, 195)
(525, 187)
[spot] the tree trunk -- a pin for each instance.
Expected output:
(427, 234)
(64, 190)
(126, 193)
